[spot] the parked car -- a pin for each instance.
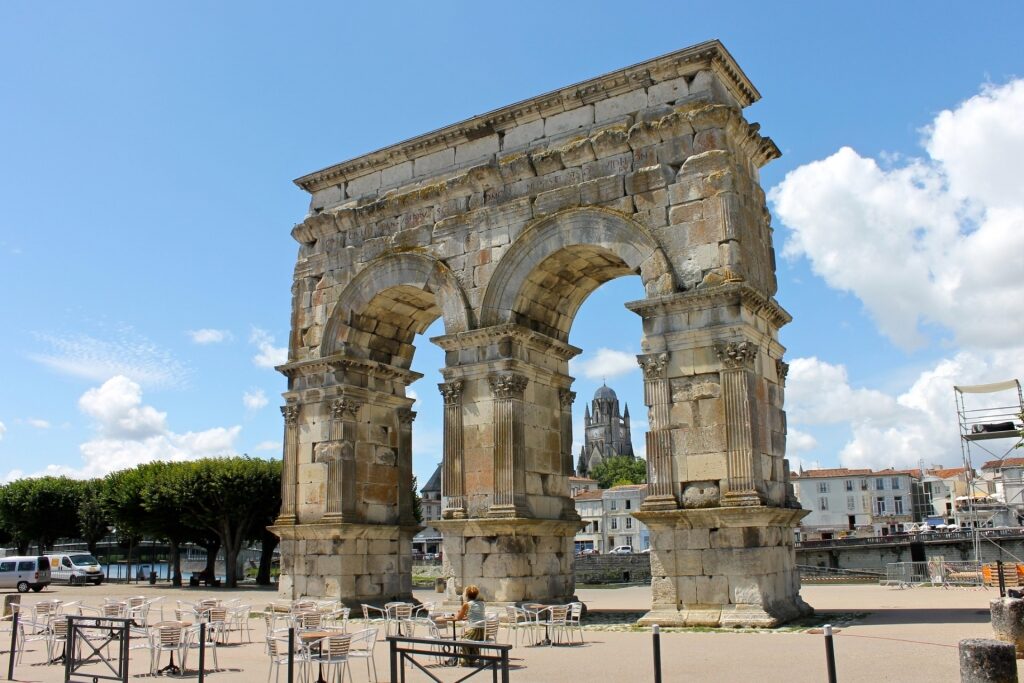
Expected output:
(621, 550)
(587, 551)
(75, 568)
(24, 573)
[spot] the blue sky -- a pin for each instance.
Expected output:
(147, 152)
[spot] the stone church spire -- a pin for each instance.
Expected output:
(607, 431)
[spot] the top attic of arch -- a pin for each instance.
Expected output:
(510, 219)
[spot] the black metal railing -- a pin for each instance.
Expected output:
(403, 651)
(929, 537)
(96, 648)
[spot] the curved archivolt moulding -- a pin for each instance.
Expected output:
(559, 261)
(389, 302)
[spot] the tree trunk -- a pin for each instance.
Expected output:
(212, 548)
(23, 547)
(175, 548)
(268, 542)
(232, 542)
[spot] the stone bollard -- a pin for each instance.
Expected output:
(987, 661)
(1008, 621)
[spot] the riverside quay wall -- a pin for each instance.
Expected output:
(877, 552)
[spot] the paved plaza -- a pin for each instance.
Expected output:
(885, 634)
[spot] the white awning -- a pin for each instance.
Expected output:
(988, 388)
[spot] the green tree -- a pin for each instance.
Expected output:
(93, 518)
(620, 470)
(40, 510)
(417, 502)
(228, 496)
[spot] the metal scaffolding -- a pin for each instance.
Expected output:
(991, 425)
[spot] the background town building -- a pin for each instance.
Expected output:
(428, 541)
(608, 518)
(862, 502)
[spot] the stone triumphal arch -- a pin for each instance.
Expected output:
(502, 225)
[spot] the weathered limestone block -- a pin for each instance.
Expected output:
(1008, 621)
(569, 120)
(987, 661)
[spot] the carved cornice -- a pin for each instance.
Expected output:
(782, 370)
(340, 362)
(507, 385)
(406, 416)
(736, 355)
(451, 391)
(343, 405)
(653, 365)
(711, 54)
(291, 414)
(531, 339)
(566, 397)
(726, 294)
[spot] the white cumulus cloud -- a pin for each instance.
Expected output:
(254, 400)
(268, 446)
(3, 430)
(38, 423)
(268, 355)
(129, 433)
(927, 242)
(605, 363)
(209, 336)
(799, 442)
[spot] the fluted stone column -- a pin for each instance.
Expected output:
(660, 482)
(507, 389)
(737, 377)
(343, 433)
(453, 482)
(406, 516)
(289, 476)
(566, 399)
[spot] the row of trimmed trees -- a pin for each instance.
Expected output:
(217, 503)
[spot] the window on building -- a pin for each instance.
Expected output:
(849, 484)
(627, 503)
(897, 505)
(823, 503)
(629, 522)
(615, 523)
(880, 484)
(895, 483)
(863, 484)
(596, 526)
(822, 487)
(614, 504)
(851, 503)
(880, 505)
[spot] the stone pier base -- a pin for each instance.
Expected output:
(355, 563)
(510, 560)
(729, 566)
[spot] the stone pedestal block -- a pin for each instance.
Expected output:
(728, 566)
(987, 661)
(1008, 622)
(355, 563)
(510, 560)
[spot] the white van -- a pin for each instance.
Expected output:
(75, 568)
(24, 573)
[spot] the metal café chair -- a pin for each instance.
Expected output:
(332, 652)
(361, 647)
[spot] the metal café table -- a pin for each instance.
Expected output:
(308, 637)
(537, 609)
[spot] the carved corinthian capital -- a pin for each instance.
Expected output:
(736, 355)
(566, 397)
(653, 365)
(451, 392)
(781, 369)
(507, 385)
(291, 414)
(340, 406)
(406, 416)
